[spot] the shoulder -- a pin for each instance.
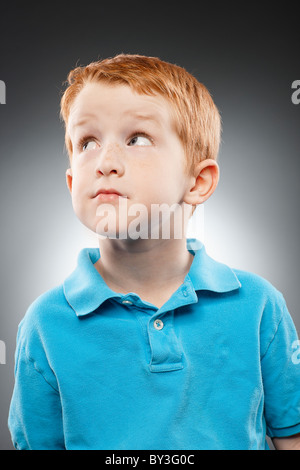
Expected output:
(264, 301)
(43, 315)
(257, 287)
(51, 302)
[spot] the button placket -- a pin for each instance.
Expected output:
(166, 352)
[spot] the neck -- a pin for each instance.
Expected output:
(144, 266)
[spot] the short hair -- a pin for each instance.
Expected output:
(197, 119)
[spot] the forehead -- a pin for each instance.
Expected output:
(98, 99)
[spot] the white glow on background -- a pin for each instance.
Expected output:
(196, 223)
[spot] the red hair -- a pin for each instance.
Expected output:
(197, 120)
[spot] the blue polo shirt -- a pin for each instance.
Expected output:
(214, 368)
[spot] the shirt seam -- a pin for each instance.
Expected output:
(36, 368)
(279, 323)
(284, 427)
(283, 431)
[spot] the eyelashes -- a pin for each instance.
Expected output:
(84, 141)
(137, 138)
(141, 139)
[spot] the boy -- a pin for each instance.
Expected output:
(150, 343)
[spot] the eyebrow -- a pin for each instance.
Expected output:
(84, 120)
(134, 114)
(142, 116)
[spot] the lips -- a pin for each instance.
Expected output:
(108, 191)
(108, 194)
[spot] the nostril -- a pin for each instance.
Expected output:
(103, 172)
(109, 163)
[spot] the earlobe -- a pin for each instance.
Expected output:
(69, 179)
(204, 182)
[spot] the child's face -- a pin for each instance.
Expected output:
(123, 142)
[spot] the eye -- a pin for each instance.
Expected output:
(140, 140)
(86, 143)
(89, 145)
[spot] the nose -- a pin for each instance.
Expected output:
(110, 161)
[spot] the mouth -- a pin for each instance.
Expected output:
(108, 195)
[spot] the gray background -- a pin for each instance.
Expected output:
(248, 60)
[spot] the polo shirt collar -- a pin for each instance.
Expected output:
(209, 274)
(85, 290)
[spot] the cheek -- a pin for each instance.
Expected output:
(78, 195)
(162, 182)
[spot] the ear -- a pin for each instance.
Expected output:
(204, 181)
(69, 179)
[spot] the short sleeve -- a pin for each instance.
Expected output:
(35, 415)
(281, 379)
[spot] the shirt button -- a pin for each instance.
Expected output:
(127, 302)
(158, 325)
